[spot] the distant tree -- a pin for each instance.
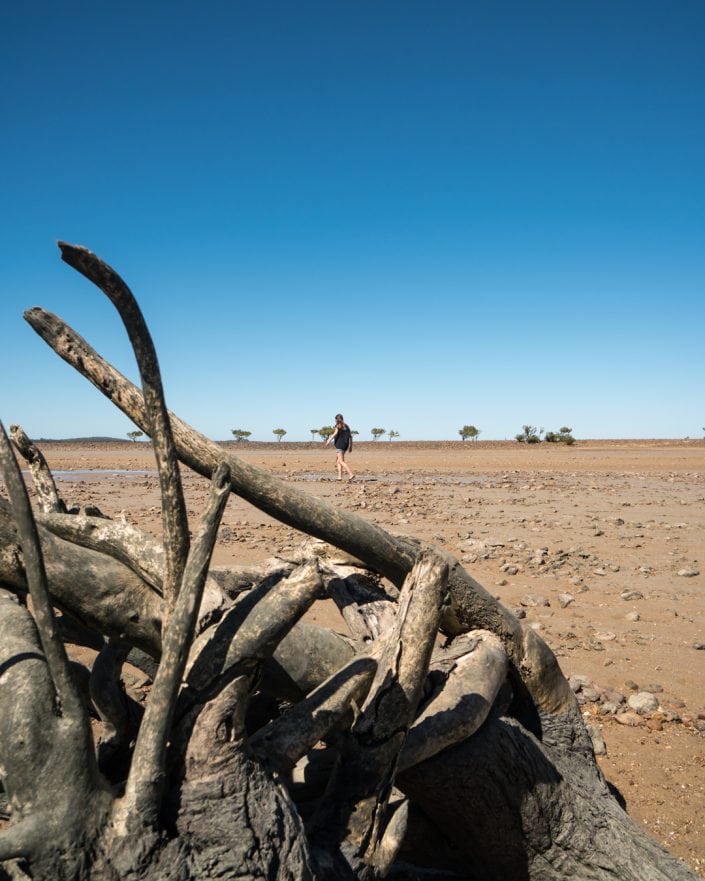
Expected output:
(239, 434)
(562, 436)
(469, 431)
(326, 431)
(392, 435)
(354, 432)
(314, 432)
(377, 432)
(279, 432)
(529, 435)
(134, 435)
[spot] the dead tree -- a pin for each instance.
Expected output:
(271, 747)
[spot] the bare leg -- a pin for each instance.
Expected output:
(342, 465)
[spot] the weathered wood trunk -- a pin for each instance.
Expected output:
(270, 747)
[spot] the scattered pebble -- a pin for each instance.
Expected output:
(643, 703)
(532, 600)
(630, 684)
(628, 718)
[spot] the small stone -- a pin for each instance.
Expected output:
(565, 599)
(578, 682)
(643, 703)
(615, 696)
(519, 612)
(599, 571)
(654, 724)
(510, 569)
(630, 719)
(609, 708)
(502, 582)
(631, 685)
(688, 573)
(605, 635)
(653, 689)
(532, 600)
(629, 595)
(699, 646)
(633, 616)
(591, 694)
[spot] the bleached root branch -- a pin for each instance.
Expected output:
(121, 541)
(47, 495)
(307, 656)
(176, 537)
(284, 741)
(366, 609)
(250, 632)
(234, 580)
(94, 589)
(472, 671)
(144, 785)
(52, 645)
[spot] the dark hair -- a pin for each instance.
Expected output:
(339, 418)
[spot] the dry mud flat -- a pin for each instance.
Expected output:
(599, 545)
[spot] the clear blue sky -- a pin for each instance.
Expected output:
(421, 214)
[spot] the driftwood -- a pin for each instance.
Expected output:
(270, 747)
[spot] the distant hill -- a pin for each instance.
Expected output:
(80, 440)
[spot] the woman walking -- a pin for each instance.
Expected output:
(342, 441)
